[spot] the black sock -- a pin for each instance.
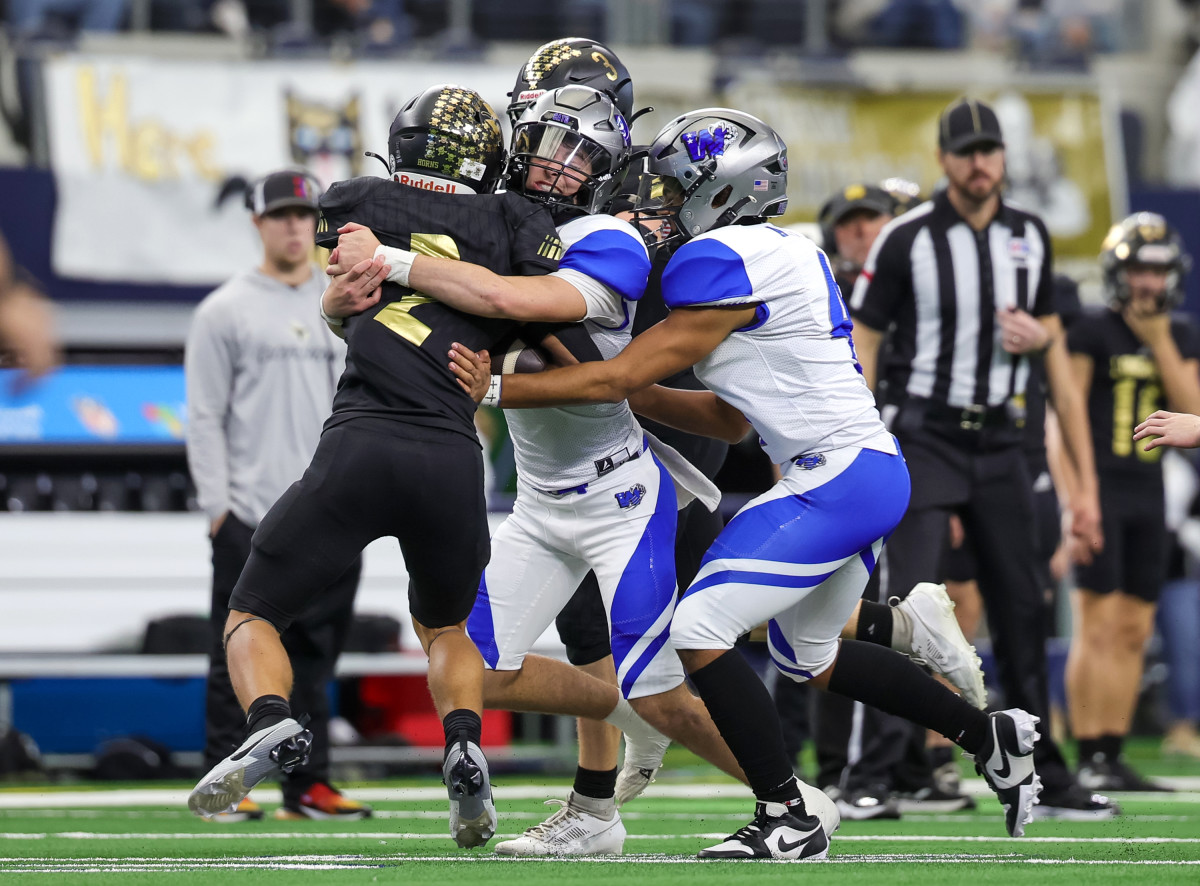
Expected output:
(746, 718)
(940, 755)
(874, 623)
(887, 680)
(596, 783)
(1089, 749)
(266, 711)
(1111, 745)
(462, 723)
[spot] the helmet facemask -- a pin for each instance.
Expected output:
(569, 151)
(718, 167)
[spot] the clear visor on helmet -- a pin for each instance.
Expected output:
(557, 159)
(654, 204)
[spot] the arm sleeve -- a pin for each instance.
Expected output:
(574, 338)
(604, 304)
(885, 281)
(208, 373)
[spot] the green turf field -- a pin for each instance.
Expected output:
(144, 834)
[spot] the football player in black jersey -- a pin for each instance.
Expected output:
(399, 455)
(1131, 358)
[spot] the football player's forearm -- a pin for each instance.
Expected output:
(569, 386)
(461, 285)
(695, 412)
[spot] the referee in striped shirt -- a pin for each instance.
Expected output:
(962, 285)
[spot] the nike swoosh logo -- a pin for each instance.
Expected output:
(242, 752)
(1005, 770)
(785, 846)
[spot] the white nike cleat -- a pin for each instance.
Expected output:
(569, 831)
(1006, 763)
(938, 641)
(776, 832)
(643, 758)
(278, 748)
(472, 812)
(823, 806)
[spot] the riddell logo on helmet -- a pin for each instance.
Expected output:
(426, 183)
(530, 95)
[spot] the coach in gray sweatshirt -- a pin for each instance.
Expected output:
(261, 369)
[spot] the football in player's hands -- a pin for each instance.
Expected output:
(521, 357)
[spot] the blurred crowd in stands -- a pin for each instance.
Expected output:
(1051, 32)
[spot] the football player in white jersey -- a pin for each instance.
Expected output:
(595, 493)
(757, 312)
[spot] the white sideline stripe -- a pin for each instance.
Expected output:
(60, 866)
(178, 797)
(394, 835)
(1188, 787)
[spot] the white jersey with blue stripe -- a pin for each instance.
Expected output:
(792, 372)
(561, 447)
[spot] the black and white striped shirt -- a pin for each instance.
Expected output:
(937, 284)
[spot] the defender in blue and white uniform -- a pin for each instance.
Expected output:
(595, 492)
(756, 310)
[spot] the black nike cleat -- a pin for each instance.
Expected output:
(281, 747)
(776, 832)
(1006, 763)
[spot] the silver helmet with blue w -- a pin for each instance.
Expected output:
(569, 150)
(711, 168)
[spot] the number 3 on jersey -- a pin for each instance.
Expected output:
(397, 316)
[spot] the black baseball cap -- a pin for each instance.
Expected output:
(968, 123)
(854, 197)
(279, 190)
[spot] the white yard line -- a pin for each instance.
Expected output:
(1189, 788)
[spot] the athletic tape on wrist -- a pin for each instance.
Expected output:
(399, 261)
(332, 321)
(492, 397)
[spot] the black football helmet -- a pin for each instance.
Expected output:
(1146, 239)
(569, 150)
(571, 60)
(447, 138)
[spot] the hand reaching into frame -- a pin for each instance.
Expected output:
(1178, 429)
(472, 369)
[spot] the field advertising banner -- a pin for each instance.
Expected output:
(142, 150)
(1059, 149)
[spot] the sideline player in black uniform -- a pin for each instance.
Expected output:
(399, 455)
(1130, 358)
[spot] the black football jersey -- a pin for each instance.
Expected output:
(1126, 385)
(396, 357)
(1066, 304)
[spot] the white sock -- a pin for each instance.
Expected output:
(902, 631)
(624, 717)
(604, 808)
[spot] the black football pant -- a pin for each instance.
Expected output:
(313, 643)
(988, 485)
